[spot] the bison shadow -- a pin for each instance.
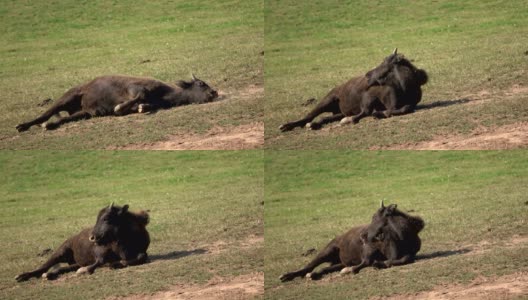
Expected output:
(444, 253)
(176, 254)
(442, 103)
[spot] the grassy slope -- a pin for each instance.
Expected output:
(464, 197)
(48, 47)
(195, 199)
(465, 46)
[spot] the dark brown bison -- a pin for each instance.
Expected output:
(391, 239)
(119, 238)
(121, 95)
(392, 88)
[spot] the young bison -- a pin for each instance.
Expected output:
(121, 95)
(392, 88)
(391, 239)
(119, 238)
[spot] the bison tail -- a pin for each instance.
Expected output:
(421, 77)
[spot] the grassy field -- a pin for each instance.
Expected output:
(203, 207)
(476, 55)
(48, 47)
(473, 203)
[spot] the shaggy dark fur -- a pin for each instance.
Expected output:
(392, 88)
(390, 239)
(121, 95)
(119, 238)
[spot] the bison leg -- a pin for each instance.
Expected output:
(406, 109)
(54, 274)
(367, 107)
(329, 254)
(140, 259)
(407, 259)
(329, 104)
(70, 101)
(62, 255)
(91, 268)
(323, 121)
(74, 117)
(324, 271)
(137, 94)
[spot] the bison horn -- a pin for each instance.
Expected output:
(112, 204)
(381, 204)
(395, 51)
(193, 77)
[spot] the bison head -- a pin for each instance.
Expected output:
(389, 222)
(397, 71)
(110, 220)
(197, 91)
(382, 224)
(380, 74)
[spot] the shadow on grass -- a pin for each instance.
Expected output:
(442, 103)
(441, 254)
(176, 254)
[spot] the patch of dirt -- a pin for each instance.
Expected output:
(509, 136)
(240, 287)
(503, 287)
(248, 136)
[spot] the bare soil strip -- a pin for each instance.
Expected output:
(249, 136)
(503, 287)
(239, 287)
(510, 136)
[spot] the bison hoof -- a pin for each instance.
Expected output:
(308, 125)
(345, 270)
(345, 120)
(22, 127)
(82, 270)
(22, 277)
(309, 276)
(141, 108)
(117, 108)
(286, 277)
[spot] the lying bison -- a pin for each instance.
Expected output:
(119, 238)
(121, 95)
(392, 88)
(391, 239)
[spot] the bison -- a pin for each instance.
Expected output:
(390, 239)
(121, 95)
(392, 88)
(119, 238)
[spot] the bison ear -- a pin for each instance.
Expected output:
(124, 209)
(391, 208)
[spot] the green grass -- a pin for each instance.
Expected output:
(464, 197)
(196, 199)
(48, 47)
(465, 46)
